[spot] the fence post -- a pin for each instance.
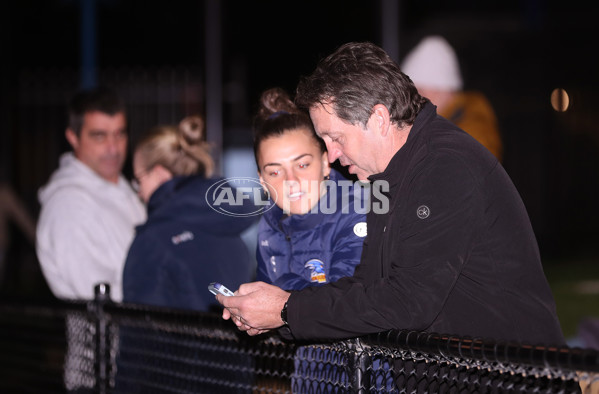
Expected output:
(102, 359)
(359, 367)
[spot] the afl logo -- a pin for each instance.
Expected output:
(226, 195)
(423, 212)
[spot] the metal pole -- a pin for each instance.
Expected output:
(359, 367)
(213, 62)
(88, 43)
(102, 296)
(390, 28)
(7, 73)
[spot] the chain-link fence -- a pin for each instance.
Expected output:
(102, 347)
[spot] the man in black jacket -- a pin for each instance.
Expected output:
(454, 252)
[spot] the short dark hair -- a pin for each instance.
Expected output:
(100, 99)
(355, 78)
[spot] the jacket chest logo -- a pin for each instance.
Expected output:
(360, 229)
(423, 212)
(317, 266)
(183, 237)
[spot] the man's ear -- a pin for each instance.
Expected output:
(382, 118)
(72, 138)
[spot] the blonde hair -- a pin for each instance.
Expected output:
(180, 149)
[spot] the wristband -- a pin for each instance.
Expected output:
(284, 314)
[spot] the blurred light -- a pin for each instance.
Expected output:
(560, 100)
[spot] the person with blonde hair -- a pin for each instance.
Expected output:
(185, 244)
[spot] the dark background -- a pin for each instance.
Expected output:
(516, 52)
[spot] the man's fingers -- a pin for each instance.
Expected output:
(255, 307)
(229, 301)
(241, 326)
(255, 331)
(248, 288)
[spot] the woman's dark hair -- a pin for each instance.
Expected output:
(278, 114)
(355, 78)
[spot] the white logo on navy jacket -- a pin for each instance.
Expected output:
(183, 237)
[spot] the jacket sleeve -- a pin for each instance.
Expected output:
(347, 245)
(261, 271)
(426, 257)
(143, 274)
(480, 122)
(292, 281)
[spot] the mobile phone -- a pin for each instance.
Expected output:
(216, 288)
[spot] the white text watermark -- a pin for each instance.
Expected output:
(247, 196)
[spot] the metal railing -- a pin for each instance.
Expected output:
(102, 347)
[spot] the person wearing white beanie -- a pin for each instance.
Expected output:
(433, 64)
(434, 68)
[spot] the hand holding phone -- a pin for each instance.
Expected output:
(216, 288)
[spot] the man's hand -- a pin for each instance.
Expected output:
(255, 307)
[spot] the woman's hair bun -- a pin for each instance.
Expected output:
(192, 129)
(275, 100)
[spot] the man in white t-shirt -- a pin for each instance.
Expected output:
(89, 211)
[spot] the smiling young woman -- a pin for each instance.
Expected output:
(315, 232)
(302, 241)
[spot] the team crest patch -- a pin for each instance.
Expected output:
(317, 268)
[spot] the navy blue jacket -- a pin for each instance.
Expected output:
(315, 248)
(183, 246)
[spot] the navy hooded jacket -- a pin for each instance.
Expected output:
(185, 245)
(318, 247)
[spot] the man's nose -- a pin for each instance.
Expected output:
(112, 144)
(333, 153)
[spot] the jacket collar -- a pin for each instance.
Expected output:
(400, 162)
(166, 191)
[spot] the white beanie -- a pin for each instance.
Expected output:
(433, 64)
